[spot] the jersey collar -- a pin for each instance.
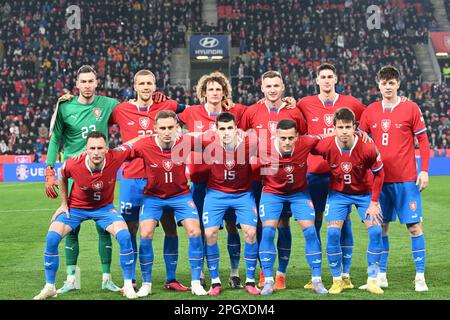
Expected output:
(87, 165)
(160, 147)
(283, 104)
(346, 150)
(391, 108)
(323, 102)
(138, 107)
(209, 113)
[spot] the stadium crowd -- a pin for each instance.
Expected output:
(41, 55)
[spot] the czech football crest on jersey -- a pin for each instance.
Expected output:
(167, 165)
(97, 113)
(272, 125)
(346, 167)
(144, 122)
(289, 168)
(229, 164)
(98, 185)
(385, 124)
(413, 205)
(328, 119)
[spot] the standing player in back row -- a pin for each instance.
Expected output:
(318, 111)
(394, 124)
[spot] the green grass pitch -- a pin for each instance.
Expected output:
(25, 214)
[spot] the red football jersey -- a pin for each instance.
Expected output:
(92, 190)
(319, 119)
(165, 171)
(351, 170)
(230, 170)
(137, 121)
(286, 174)
(393, 130)
(198, 119)
(264, 120)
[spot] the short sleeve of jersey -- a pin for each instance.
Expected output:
(136, 151)
(122, 152)
(170, 105)
(418, 124)
(301, 124)
(363, 124)
(244, 124)
(184, 116)
(65, 170)
(311, 141)
(358, 108)
(320, 148)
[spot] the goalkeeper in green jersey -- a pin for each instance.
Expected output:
(71, 123)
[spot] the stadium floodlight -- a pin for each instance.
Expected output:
(217, 57)
(202, 57)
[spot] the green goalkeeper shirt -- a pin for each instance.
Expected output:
(72, 121)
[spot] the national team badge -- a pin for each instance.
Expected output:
(272, 126)
(328, 119)
(144, 122)
(97, 113)
(98, 185)
(289, 168)
(191, 204)
(385, 124)
(229, 164)
(167, 165)
(413, 205)
(22, 172)
(346, 167)
(212, 125)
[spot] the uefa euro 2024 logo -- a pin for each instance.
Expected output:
(22, 172)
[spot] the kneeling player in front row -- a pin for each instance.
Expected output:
(352, 163)
(94, 176)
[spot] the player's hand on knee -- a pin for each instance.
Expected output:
(50, 183)
(159, 97)
(422, 180)
(60, 210)
(374, 212)
(290, 102)
(66, 97)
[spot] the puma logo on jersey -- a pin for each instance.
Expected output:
(259, 126)
(131, 123)
(316, 119)
(73, 116)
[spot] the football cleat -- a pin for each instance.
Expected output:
(71, 283)
(308, 285)
(382, 280)
(347, 282)
(203, 281)
(47, 292)
(128, 291)
(235, 282)
(268, 288)
(215, 289)
(251, 288)
(198, 289)
(176, 286)
(337, 287)
(109, 285)
(318, 287)
(420, 284)
(261, 279)
(144, 291)
(280, 282)
(374, 287)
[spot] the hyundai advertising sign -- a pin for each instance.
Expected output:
(209, 46)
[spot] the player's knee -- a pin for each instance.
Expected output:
(194, 232)
(123, 238)
(53, 240)
(334, 235)
(268, 233)
(250, 235)
(415, 229)
(211, 234)
(147, 233)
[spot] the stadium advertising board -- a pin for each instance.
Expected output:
(209, 45)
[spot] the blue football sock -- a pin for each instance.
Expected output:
(51, 256)
(312, 251)
(418, 251)
(212, 260)
(126, 253)
(334, 251)
(284, 244)
(384, 254)
(135, 256)
(195, 256)
(171, 257)
(234, 249)
(347, 246)
(146, 259)
(374, 250)
(250, 257)
(267, 251)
